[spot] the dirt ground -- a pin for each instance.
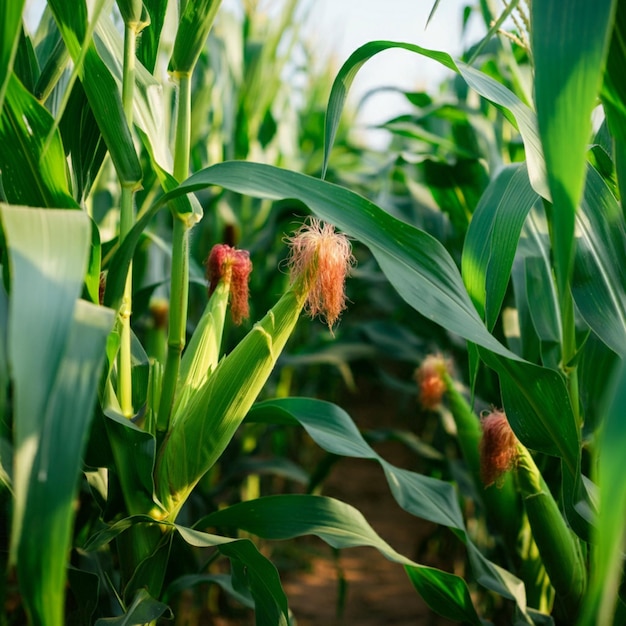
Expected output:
(377, 592)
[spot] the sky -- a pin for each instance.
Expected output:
(344, 25)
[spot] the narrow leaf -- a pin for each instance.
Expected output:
(483, 84)
(10, 28)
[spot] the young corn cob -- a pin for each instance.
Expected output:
(205, 423)
(557, 544)
(501, 501)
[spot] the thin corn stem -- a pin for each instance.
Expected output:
(127, 220)
(179, 280)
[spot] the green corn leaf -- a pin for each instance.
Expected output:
(342, 526)
(435, 500)
(250, 570)
(424, 274)
(148, 44)
(134, 452)
(62, 347)
(213, 414)
(55, 63)
(416, 263)
(33, 174)
(189, 581)
(569, 44)
(599, 281)
(144, 609)
(517, 112)
(193, 30)
(492, 239)
(606, 569)
(83, 141)
(10, 29)
(101, 89)
(614, 95)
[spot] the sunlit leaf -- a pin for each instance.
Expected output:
(483, 84)
(33, 174)
(62, 345)
(492, 239)
(569, 44)
(10, 28)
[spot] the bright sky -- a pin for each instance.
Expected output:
(344, 25)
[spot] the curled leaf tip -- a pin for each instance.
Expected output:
(321, 258)
(226, 263)
(498, 447)
(429, 377)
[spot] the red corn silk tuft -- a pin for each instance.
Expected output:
(430, 381)
(234, 266)
(322, 257)
(498, 448)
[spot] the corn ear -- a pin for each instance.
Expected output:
(502, 503)
(193, 30)
(558, 546)
(202, 354)
(211, 416)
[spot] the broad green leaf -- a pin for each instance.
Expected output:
(435, 500)
(416, 264)
(342, 526)
(101, 89)
(483, 84)
(143, 610)
(569, 46)
(189, 581)
(62, 345)
(599, 277)
(333, 430)
(250, 569)
(10, 28)
(607, 565)
(423, 273)
(193, 30)
(492, 239)
(83, 141)
(33, 174)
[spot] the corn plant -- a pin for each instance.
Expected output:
(103, 448)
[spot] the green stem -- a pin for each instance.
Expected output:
(179, 290)
(179, 280)
(127, 219)
(183, 127)
(568, 343)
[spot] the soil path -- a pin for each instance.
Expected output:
(378, 592)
